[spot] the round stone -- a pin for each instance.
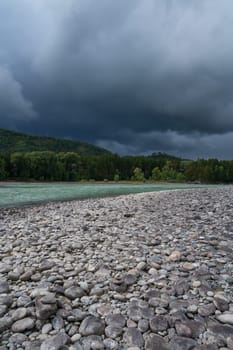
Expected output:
(74, 292)
(188, 266)
(175, 256)
(23, 325)
(225, 318)
(19, 313)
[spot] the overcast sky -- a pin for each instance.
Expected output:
(133, 76)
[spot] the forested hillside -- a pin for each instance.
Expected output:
(25, 157)
(71, 166)
(11, 141)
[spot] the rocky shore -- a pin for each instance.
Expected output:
(146, 271)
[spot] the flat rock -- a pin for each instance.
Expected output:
(113, 331)
(94, 342)
(182, 343)
(158, 323)
(44, 311)
(6, 299)
(74, 292)
(4, 286)
(221, 302)
(5, 322)
(222, 330)
(206, 310)
(3, 310)
(133, 337)
(225, 318)
(188, 266)
(19, 313)
(190, 328)
(154, 341)
(18, 338)
(4, 268)
(116, 320)
(23, 325)
(92, 325)
(55, 343)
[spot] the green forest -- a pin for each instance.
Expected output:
(12, 141)
(71, 166)
(32, 158)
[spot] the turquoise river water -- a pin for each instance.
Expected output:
(16, 194)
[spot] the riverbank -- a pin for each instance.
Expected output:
(20, 193)
(141, 271)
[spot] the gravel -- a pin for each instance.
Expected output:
(145, 271)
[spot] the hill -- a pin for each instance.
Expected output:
(12, 141)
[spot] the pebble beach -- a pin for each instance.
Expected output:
(143, 271)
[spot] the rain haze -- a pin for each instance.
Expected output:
(135, 76)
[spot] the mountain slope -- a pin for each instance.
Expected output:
(12, 141)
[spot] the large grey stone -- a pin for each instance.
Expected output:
(92, 325)
(116, 320)
(4, 268)
(44, 311)
(5, 323)
(19, 313)
(221, 302)
(207, 347)
(182, 343)
(190, 328)
(23, 325)
(158, 323)
(225, 318)
(154, 342)
(3, 310)
(93, 342)
(4, 286)
(57, 322)
(133, 337)
(206, 310)
(113, 331)
(6, 299)
(23, 300)
(221, 330)
(55, 343)
(74, 292)
(18, 338)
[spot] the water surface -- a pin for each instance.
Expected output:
(16, 194)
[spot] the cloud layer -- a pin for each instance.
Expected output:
(135, 76)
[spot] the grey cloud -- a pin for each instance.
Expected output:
(13, 105)
(132, 75)
(189, 146)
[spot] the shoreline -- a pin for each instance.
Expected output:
(143, 271)
(99, 196)
(70, 200)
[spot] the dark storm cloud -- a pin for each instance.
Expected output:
(192, 145)
(134, 76)
(13, 105)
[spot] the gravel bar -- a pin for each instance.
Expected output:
(144, 271)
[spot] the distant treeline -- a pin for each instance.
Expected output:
(70, 166)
